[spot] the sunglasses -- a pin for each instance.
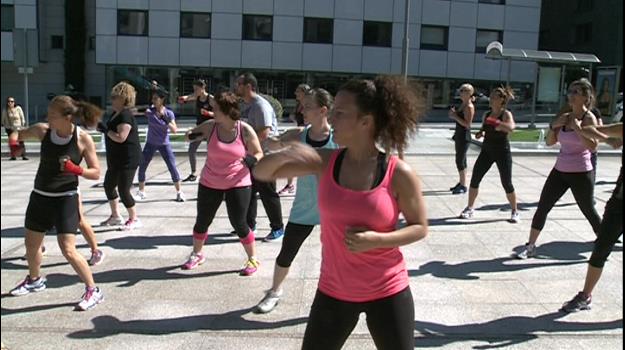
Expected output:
(11, 101)
(574, 92)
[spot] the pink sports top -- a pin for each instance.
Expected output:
(223, 169)
(365, 276)
(574, 156)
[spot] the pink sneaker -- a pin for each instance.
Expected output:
(250, 267)
(195, 259)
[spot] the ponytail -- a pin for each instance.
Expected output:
(88, 114)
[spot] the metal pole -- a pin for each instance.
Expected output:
(562, 82)
(509, 68)
(404, 65)
(533, 117)
(26, 77)
(590, 72)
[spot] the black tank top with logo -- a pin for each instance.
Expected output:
(198, 106)
(49, 177)
(492, 137)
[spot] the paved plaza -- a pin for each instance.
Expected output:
(469, 292)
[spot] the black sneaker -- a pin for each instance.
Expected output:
(12, 158)
(453, 188)
(459, 190)
(24, 158)
(190, 178)
(579, 302)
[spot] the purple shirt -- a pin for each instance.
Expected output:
(158, 131)
(574, 156)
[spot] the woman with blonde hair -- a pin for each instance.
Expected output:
(123, 155)
(13, 120)
(463, 116)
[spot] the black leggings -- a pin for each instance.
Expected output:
(503, 158)
(120, 179)
(294, 237)
(610, 230)
(193, 146)
(390, 321)
(556, 185)
(271, 202)
(462, 146)
(209, 200)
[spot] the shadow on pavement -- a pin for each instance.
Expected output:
(35, 308)
(454, 220)
(521, 206)
(153, 242)
(105, 326)
(504, 332)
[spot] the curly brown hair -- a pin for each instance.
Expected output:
(228, 103)
(505, 93)
(395, 106)
(87, 113)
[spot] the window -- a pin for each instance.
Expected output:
(377, 34)
(132, 22)
(56, 42)
(485, 37)
(8, 18)
(434, 38)
(257, 27)
(496, 2)
(318, 30)
(91, 43)
(195, 25)
(583, 33)
(584, 5)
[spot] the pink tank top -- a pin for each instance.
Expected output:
(223, 169)
(574, 156)
(366, 276)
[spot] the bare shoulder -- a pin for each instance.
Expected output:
(404, 177)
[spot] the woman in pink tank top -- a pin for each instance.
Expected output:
(573, 169)
(233, 149)
(361, 193)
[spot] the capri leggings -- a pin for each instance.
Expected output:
(168, 156)
(556, 185)
(503, 158)
(120, 179)
(462, 146)
(193, 146)
(390, 321)
(611, 228)
(294, 237)
(209, 200)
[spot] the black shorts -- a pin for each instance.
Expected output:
(44, 213)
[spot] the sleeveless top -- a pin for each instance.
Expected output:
(199, 119)
(364, 276)
(574, 156)
(224, 169)
(461, 133)
(50, 180)
(492, 137)
(305, 208)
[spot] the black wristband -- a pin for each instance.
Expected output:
(250, 161)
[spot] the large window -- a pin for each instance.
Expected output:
(318, 30)
(8, 18)
(195, 25)
(485, 37)
(583, 33)
(377, 34)
(56, 41)
(257, 27)
(434, 37)
(584, 5)
(132, 22)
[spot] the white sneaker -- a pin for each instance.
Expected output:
(112, 221)
(132, 224)
(529, 251)
(180, 197)
(90, 299)
(514, 217)
(467, 213)
(269, 302)
(140, 195)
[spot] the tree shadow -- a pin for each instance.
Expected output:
(7, 264)
(504, 332)
(153, 242)
(105, 326)
(454, 220)
(13, 232)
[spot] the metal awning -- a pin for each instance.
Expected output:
(496, 51)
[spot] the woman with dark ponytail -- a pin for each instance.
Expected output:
(362, 190)
(497, 124)
(54, 201)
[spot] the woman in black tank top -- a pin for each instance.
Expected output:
(463, 117)
(54, 200)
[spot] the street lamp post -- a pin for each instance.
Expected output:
(404, 65)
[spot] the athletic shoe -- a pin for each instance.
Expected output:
(529, 251)
(12, 158)
(28, 286)
(274, 235)
(578, 303)
(453, 188)
(467, 213)
(91, 298)
(515, 218)
(195, 259)
(288, 189)
(459, 190)
(190, 178)
(24, 158)
(140, 195)
(97, 256)
(112, 221)
(250, 266)
(180, 197)
(269, 302)
(132, 224)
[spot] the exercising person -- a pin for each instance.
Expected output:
(463, 116)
